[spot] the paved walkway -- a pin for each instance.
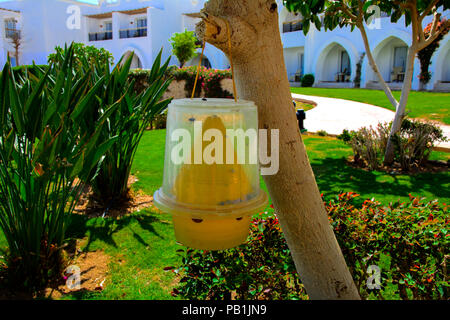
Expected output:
(334, 115)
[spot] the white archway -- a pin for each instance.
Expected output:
(390, 56)
(194, 61)
(138, 61)
(336, 62)
(368, 77)
(211, 55)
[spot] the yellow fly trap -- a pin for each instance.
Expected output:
(211, 180)
(211, 172)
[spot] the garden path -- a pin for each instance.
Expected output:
(334, 115)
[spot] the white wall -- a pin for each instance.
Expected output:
(5, 43)
(331, 63)
(446, 70)
(44, 27)
(292, 60)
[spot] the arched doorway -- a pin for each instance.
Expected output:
(334, 66)
(136, 63)
(390, 56)
(440, 67)
(446, 68)
(194, 61)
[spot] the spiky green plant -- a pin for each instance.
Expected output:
(129, 121)
(45, 153)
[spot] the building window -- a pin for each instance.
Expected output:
(345, 63)
(141, 23)
(11, 28)
(109, 30)
(400, 54)
(139, 31)
(292, 26)
(108, 26)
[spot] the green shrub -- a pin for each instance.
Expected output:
(346, 135)
(135, 107)
(159, 121)
(261, 269)
(413, 144)
(133, 114)
(85, 55)
(408, 241)
(21, 71)
(413, 236)
(209, 80)
(415, 141)
(183, 46)
(307, 80)
(45, 152)
(368, 145)
(322, 133)
(188, 74)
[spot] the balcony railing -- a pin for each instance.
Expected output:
(12, 33)
(100, 36)
(133, 33)
(292, 26)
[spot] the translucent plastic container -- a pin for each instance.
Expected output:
(211, 180)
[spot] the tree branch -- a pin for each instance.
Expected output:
(347, 11)
(403, 5)
(434, 35)
(417, 31)
(428, 10)
(374, 66)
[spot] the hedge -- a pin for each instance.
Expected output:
(208, 80)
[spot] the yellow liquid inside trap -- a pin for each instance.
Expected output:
(212, 185)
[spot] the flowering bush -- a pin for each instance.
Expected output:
(209, 80)
(409, 242)
(426, 53)
(413, 144)
(413, 237)
(269, 270)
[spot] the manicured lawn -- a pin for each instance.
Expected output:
(333, 176)
(427, 105)
(142, 244)
(304, 106)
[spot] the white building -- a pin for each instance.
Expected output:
(333, 56)
(145, 26)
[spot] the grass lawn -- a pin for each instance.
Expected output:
(427, 105)
(142, 244)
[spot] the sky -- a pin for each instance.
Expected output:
(86, 1)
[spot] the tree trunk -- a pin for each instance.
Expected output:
(16, 53)
(374, 66)
(400, 113)
(261, 76)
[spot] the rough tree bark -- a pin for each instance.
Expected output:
(261, 77)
